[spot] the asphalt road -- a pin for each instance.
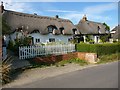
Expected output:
(102, 76)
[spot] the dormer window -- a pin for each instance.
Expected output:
(51, 28)
(35, 31)
(99, 29)
(62, 30)
(74, 31)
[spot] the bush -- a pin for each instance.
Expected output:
(10, 45)
(100, 49)
(86, 47)
(5, 70)
(14, 45)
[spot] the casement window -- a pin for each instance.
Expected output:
(74, 31)
(51, 39)
(61, 30)
(37, 40)
(69, 39)
(50, 29)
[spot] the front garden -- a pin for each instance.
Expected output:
(107, 52)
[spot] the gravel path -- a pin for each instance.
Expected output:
(31, 75)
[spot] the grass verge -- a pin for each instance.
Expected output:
(61, 63)
(109, 58)
(76, 61)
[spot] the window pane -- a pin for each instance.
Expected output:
(52, 40)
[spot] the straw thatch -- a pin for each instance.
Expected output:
(31, 22)
(116, 35)
(89, 27)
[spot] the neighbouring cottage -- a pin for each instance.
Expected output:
(91, 29)
(115, 34)
(41, 28)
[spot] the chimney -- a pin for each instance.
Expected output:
(1, 7)
(57, 16)
(84, 18)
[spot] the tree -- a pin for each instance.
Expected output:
(5, 27)
(105, 38)
(107, 27)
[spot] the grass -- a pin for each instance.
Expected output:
(36, 65)
(61, 63)
(109, 58)
(76, 61)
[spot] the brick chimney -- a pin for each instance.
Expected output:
(1, 7)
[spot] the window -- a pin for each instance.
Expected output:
(35, 31)
(61, 30)
(69, 39)
(37, 40)
(99, 29)
(74, 31)
(50, 29)
(52, 40)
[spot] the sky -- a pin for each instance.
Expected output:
(95, 11)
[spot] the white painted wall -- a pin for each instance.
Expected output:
(97, 39)
(45, 38)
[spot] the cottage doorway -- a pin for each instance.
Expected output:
(32, 40)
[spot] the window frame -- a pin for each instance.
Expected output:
(51, 39)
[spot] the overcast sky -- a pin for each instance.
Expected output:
(96, 11)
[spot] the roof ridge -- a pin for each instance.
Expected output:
(32, 15)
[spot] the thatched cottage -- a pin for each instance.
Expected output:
(41, 28)
(51, 29)
(115, 33)
(92, 29)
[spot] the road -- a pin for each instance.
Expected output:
(101, 76)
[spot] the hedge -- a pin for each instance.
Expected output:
(100, 49)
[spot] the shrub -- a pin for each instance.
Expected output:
(100, 49)
(86, 47)
(14, 45)
(10, 45)
(5, 70)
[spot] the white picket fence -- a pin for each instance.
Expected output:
(26, 52)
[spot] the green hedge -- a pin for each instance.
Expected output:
(100, 49)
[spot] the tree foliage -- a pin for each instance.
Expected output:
(107, 27)
(5, 27)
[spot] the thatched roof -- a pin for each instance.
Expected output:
(31, 22)
(116, 35)
(90, 27)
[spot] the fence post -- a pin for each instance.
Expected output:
(19, 53)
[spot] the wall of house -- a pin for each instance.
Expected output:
(45, 38)
(95, 38)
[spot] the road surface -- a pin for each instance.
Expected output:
(101, 76)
